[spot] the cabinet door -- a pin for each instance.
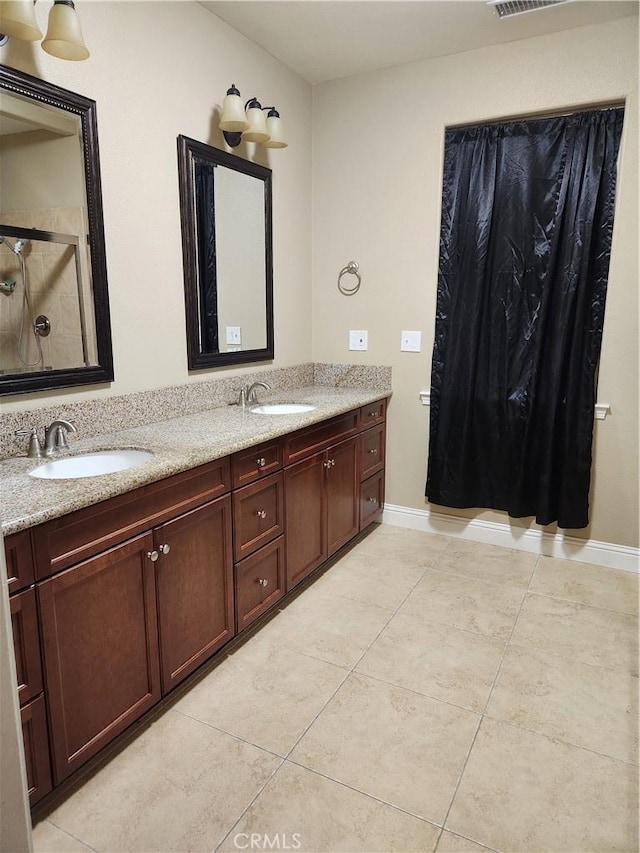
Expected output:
(26, 644)
(195, 588)
(36, 749)
(100, 641)
(306, 536)
(342, 493)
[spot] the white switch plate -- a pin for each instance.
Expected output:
(411, 341)
(234, 335)
(358, 339)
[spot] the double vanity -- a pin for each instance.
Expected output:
(123, 584)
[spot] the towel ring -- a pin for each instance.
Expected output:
(351, 267)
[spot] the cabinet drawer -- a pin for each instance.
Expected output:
(26, 643)
(64, 541)
(311, 439)
(258, 515)
(371, 499)
(372, 443)
(20, 568)
(252, 464)
(36, 749)
(373, 413)
(259, 582)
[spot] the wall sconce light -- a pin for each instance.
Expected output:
(64, 35)
(247, 122)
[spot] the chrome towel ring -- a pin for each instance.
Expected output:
(351, 267)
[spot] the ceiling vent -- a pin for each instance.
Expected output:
(508, 8)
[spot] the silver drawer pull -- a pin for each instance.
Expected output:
(152, 555)
(263, 581)
(262, 513)
(164, 549)
(372, 414)
(261, 461)
(374, 451)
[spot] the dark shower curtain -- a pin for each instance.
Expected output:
(527, 218)
(204, 179)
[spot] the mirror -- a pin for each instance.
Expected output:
(225, 211)
(54, 307)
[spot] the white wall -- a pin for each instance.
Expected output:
(159, 69)
(377, 176)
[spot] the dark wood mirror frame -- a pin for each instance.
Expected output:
(189, 153)
(26, 86)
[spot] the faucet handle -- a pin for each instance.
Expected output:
(35, 448)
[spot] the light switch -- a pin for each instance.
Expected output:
(358, 339)
(234, 335)
(411, 341)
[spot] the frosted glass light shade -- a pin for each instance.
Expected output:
(257, 130)
(18, 20)
(64, 35)
(233, 118)
(276, 136)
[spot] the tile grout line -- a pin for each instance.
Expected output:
(486, 704)
(70, 834)
(286, 759)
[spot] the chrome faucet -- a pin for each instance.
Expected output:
(252, 397)
(55, 437)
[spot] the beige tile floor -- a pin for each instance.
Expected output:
(424, 694)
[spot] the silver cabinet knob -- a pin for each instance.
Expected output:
(261, 513)
(152, 555)
(263, 581)
(371, 414)
(164, 549)
(374, 450)
(330, 463)
(373, 500)
(261, 461)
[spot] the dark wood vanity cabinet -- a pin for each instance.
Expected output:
(100, 642)
(258, 528)
(194, 577)
(115, 604)
(26, 643)
(372, 463)
(135, 593)
(321, 493)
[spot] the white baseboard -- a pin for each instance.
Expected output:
(536, 541)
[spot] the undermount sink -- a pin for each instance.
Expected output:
(91, 464)
(282, 409)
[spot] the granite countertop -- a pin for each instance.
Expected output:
(178, 444)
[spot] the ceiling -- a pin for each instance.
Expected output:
(326, 39)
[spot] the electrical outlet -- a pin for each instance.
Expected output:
(358, 339)
(411, 341)
(234, 335)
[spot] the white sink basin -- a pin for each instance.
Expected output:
(282, 409)
(91, 464)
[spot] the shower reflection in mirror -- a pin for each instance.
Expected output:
(42, 303)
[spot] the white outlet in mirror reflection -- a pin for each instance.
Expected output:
(234, 336)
